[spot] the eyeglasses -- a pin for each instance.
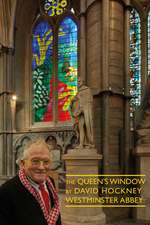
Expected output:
(37, 162)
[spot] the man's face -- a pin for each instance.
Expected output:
(37, 163)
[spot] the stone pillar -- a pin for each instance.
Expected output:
(82, 161)
(6, 90)
(105, 83)
(82, 40)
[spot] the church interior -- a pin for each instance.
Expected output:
(45, 46)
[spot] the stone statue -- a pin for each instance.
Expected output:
(143, 116)
(81, 108)
(56, 154)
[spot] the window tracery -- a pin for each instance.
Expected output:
(54, 64)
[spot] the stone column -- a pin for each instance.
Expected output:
(127, 89)
(82, 161)
(82, 40)
(6, 90)
(105, 83)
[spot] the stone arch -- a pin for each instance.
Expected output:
(25, 14)
(139, 8)
(12, 24)
(7, 15)
(4, 22)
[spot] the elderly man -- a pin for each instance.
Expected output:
(30, 197)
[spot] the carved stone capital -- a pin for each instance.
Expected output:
(5, 49)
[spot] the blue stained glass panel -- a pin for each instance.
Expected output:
(135, 60)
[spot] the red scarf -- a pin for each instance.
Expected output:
(52, 216)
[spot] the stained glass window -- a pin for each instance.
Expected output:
(42, 50)
(52, 93)
(149, 43)
(135, 60)
(67, 66)
(55, 7)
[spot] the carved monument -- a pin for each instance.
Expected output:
(82, 160)
(82, 113)
(143, 150)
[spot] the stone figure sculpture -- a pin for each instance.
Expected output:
(81, 108)
(143, 116)
(55, 153)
